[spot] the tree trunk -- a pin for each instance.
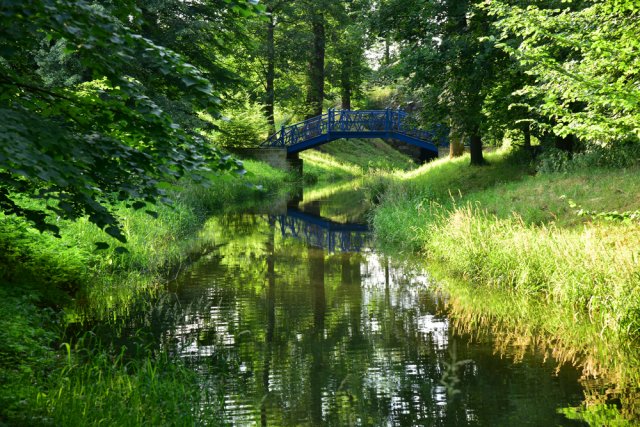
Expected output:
(456, 143)
(315, 94)
(387, 50)
(345, 83)
(527, 136)
(566, 143)
(475, 147)
(271, 73)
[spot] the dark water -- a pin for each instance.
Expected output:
(303, 322)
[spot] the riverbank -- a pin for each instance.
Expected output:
(47, 284)
(563, 241)
(50, 376)
(351, 158)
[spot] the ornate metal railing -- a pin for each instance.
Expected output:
(321, 232)
(350, 124)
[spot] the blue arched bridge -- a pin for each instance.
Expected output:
(321, 232)
(337, 124)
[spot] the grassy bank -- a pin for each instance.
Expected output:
(350, 158)
(49, 378)
(563, 241)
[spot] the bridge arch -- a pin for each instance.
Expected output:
(338, 124)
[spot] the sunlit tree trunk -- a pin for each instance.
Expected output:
(271, 73)
(315, 88)
(456, 142)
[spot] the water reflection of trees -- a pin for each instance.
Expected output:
(294, 335)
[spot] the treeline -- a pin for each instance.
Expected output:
(102, 100)
(564, 71)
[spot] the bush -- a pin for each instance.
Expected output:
(593, 156)
(242, 127)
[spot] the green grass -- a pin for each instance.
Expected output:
(413, 198)
(97, 387)
(348, 158)
(368, 154)
(47, 283)
(504, 231)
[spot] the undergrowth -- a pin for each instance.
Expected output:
(551, 237)
(48, 283)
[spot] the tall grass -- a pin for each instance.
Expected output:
(517, 324)
(40, 275)
(503, 230)
(100, 388)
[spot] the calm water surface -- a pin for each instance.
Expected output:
(305, 323)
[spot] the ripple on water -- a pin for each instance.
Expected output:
(295, 336)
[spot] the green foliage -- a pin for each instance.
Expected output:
(243, 126)
(98, 386)
(27, 333)
(82, 146)
(626, 217)
(39, 276)
(583, 59)
(445, 55)
(593, 156)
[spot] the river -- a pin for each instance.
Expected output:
(295, 318)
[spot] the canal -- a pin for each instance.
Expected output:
(294, 317)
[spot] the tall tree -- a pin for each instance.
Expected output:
(349, 41)
(583, 60)
(270, 72)
(444, 53)
(82, 144)
(315, 83)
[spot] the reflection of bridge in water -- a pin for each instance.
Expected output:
(321, 232)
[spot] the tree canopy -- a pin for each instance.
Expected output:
(102, 100)
(584, 61)
(80, 121)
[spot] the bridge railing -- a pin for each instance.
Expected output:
(297, 132)
(323, 234)
(352, 121)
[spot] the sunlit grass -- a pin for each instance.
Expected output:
(349, 158)
(329, 163)
(40, 274)
(503, 231)
(320, 192)
(369, 154)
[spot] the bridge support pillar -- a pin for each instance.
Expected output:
(294, 163)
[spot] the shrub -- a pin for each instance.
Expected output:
(245, 126)
(593, 156)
